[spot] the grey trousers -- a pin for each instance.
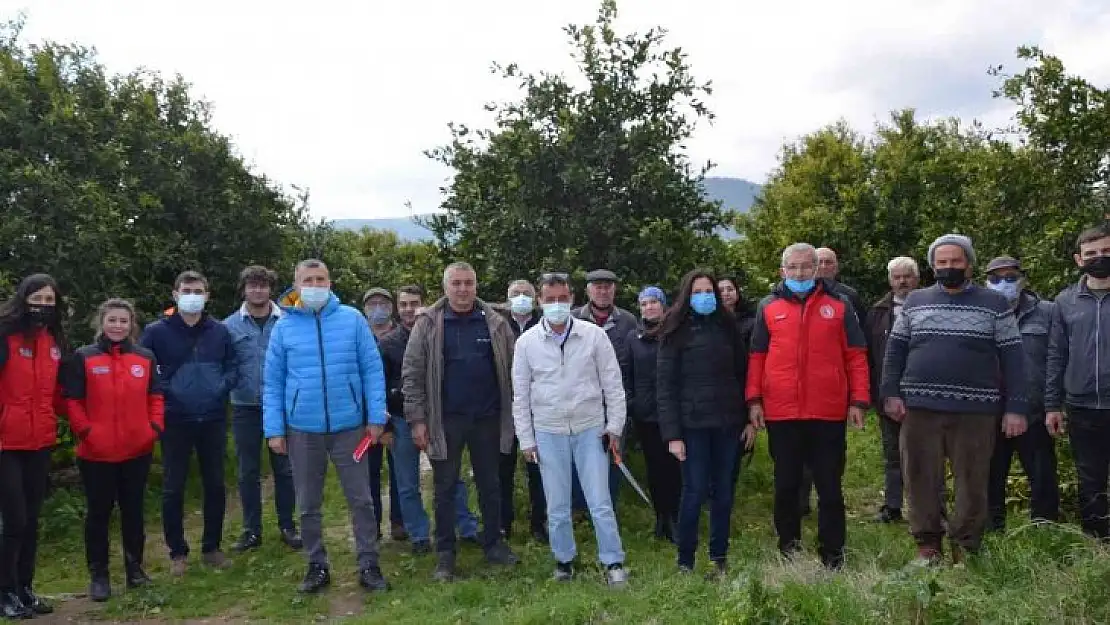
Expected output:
(309, 454)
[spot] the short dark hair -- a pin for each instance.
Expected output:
(190, 276)
(411, 289)
(1095, 233)
(553, 278)
(257, 274)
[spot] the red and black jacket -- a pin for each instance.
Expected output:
(29, 391)
(808, 357)
(114, 401)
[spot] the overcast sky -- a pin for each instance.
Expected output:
(343, 97)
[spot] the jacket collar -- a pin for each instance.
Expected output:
(275, 310)
(821, 285)
(887, 301)
(107, 346)
(572, 328)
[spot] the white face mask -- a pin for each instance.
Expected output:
(556, 313)
(315, 297)
(190, 303)
(521, 304)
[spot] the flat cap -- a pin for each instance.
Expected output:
(601, 275)
(377, 291)
(1004, 262)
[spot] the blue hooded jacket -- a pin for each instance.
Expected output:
(323, 372)
(196, 366)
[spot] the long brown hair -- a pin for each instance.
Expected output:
(679, 312)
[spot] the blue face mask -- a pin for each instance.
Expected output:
(801, 287)
(556, 313)
(1010, 289)
(315, 297)
(379, 315)
(520, 304)
(703, 303)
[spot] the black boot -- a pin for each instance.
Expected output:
(11, 606)
(133, 565)
(100, 589)
(37, 604)
(659, 527)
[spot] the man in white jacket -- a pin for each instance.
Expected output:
(567, 393)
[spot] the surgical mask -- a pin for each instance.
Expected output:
(801, 287)
(41, 314)
(1010, 289)
(703, 303)
(315, 297)
(190, 303)
(1097, 267)
(951, 277)
(379, 315)
(520, 305)
(556, 313)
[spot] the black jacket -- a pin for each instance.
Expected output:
(392, 347)
(619, 324)
(1034, 318)
(701, 373)
(839, 288)
(641, 351)
(877, 327)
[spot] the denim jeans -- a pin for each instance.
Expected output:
(578, 500)
(246, 431)
(710, 461)
(562, 456)
(374, 466)
(406, 465)
(209, 440)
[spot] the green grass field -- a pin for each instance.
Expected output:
(1029, 575)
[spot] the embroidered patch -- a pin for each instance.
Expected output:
(101, 370)
(827, 311)
(55, 353)
(26, 352)
(781, 317)
(138, 371)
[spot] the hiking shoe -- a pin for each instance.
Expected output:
(501, 555)
(216, 560)
(11, 607)
(445, 568)
(35, 603)
(247, 542)
(137, 577)
(718, 571)
(616, 577)
(292, 539)
(100, 589)
(371, 579)
(178, 566)
(564, 571)
(889, 515)
(421, 547)
(397, 532)
(316, 578)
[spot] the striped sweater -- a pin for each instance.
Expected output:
(956, 353)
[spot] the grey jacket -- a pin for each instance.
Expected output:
(1034, 317)
(617, 326)
(422, 374)
(1079, 351)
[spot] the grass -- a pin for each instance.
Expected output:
(1028, 575)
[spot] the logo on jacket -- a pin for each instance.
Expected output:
(100, 370)
(55, 353)
(138, 371)
(26, 352)
(827, 311)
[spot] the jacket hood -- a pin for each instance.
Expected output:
(290, 302)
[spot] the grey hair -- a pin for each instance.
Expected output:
(798, 248)
(456, 266)
(516, 283)
(310, 263)
(902, 262)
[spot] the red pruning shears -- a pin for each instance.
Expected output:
(363, 446)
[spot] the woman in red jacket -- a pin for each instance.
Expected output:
(31, 346)
(115, 410)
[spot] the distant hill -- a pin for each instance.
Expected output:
(735, 194)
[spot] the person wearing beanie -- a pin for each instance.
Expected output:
(941, 381)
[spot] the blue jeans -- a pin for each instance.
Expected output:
(710, 462)
(406, 465)
(578, 500)
(562, 456)
(246, 430)
(374, 466)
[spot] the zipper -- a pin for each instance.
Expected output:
(115, 393)
(803, 349)
(323, 372)
(1098, 324)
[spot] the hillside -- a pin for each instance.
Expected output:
(735, 194)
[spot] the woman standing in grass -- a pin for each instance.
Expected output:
(702, 366)
(116, 411)
(31, 346)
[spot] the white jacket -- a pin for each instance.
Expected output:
(566, 389)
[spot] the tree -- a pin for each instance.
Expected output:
(576, 178)
(378, 258)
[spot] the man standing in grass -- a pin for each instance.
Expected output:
(954, 362)
(323, 391)
(567, 394)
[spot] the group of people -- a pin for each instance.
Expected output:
(968, 371)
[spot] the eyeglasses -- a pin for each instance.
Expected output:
(1000, 279)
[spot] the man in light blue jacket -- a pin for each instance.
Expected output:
(323, 391)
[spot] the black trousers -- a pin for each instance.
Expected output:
(482, 436)
(1089, 431)
(536, 500)
(24, 476)
(664, 473)
(106, 484)
(1036, 451)
(822, 447)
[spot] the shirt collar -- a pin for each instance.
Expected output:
(275, 310)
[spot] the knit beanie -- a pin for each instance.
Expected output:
(652, 292)
(953, 239)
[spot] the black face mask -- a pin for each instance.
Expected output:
(951, 277)
(650, 323)
(41, 314)
(1097, 267)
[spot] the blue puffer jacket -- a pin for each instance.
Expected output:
(323, 373)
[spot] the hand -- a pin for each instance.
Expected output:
(375, 433)
(855, 417)
(386, 439)
(1054, 421)
(755, 416)
(615, 445)
(420, 435)
(894, 408)
(277, 445)
(748, 436)
(1013, 425)
(531, 455)
(678, 450)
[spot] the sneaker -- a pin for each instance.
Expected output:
(889, 515)
(216, 560)
(445, 568)
(371, 579)
(247, 542)
(685, 569)
(397, 532)
(616, 577)
(100, 589)
(501, 555)
(421, 547)
(292, 539)
(137, 577)
(564, 571)
(178, 566)
(718, 571)
(316, 578)
(11, 607)
(35, 603)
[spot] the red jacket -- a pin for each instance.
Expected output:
(808, 357)
(114, 401)
(29, 398)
